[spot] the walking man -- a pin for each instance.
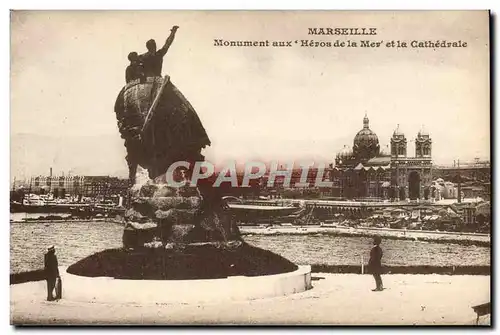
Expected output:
(51, 271)
(375, 263)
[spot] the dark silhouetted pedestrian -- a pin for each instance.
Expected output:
(51, 272)
(375, 263)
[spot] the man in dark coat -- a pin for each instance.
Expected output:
(153, 59)
(51, 271)
(375, 263)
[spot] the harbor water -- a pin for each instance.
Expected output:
(76, 240)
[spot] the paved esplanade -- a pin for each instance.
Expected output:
(335, 299)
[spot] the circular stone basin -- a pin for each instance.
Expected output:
(206, 261)
(193, 273)
(151, 292)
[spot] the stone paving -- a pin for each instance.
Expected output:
(336, 299)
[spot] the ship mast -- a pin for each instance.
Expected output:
(29, 189)
(459, 196)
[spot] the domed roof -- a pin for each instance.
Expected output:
(343, 155)
(365, 137)
(423, 132)
(398, 132)
(366, 143)
(346, 152)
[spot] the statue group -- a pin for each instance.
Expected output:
(160, 127)
(171, 233)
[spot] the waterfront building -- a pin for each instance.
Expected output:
(474, 177)
(88, 186)
(476, 171)
(58, 185)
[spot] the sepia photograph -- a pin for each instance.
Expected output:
(190, 167)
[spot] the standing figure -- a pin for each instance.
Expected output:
(51, 271)
(375, 263)
(153, 59)
(135, 69)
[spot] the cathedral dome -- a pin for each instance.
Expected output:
(366, 144)
(343, 155)
(345, 152)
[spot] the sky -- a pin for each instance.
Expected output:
(255, 103)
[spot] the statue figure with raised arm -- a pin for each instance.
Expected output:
(160, 127)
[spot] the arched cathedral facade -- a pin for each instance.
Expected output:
(367, 172)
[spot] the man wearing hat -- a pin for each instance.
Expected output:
(375, 263)
(51, 271)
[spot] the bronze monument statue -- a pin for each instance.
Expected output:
(153, 59)
(157, 122)
(160, 127)
(171, 232)
(136, 68)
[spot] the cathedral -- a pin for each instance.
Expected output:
(367, 172)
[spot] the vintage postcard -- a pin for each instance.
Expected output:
(250, 168)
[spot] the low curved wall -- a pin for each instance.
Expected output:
(110, 290)
(480, 270)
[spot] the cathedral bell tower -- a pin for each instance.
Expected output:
(423, 144)
(398, 144)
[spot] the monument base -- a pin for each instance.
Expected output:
(197, 272)
(183, 262)
(150, 292)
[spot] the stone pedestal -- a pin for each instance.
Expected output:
(160, 215)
